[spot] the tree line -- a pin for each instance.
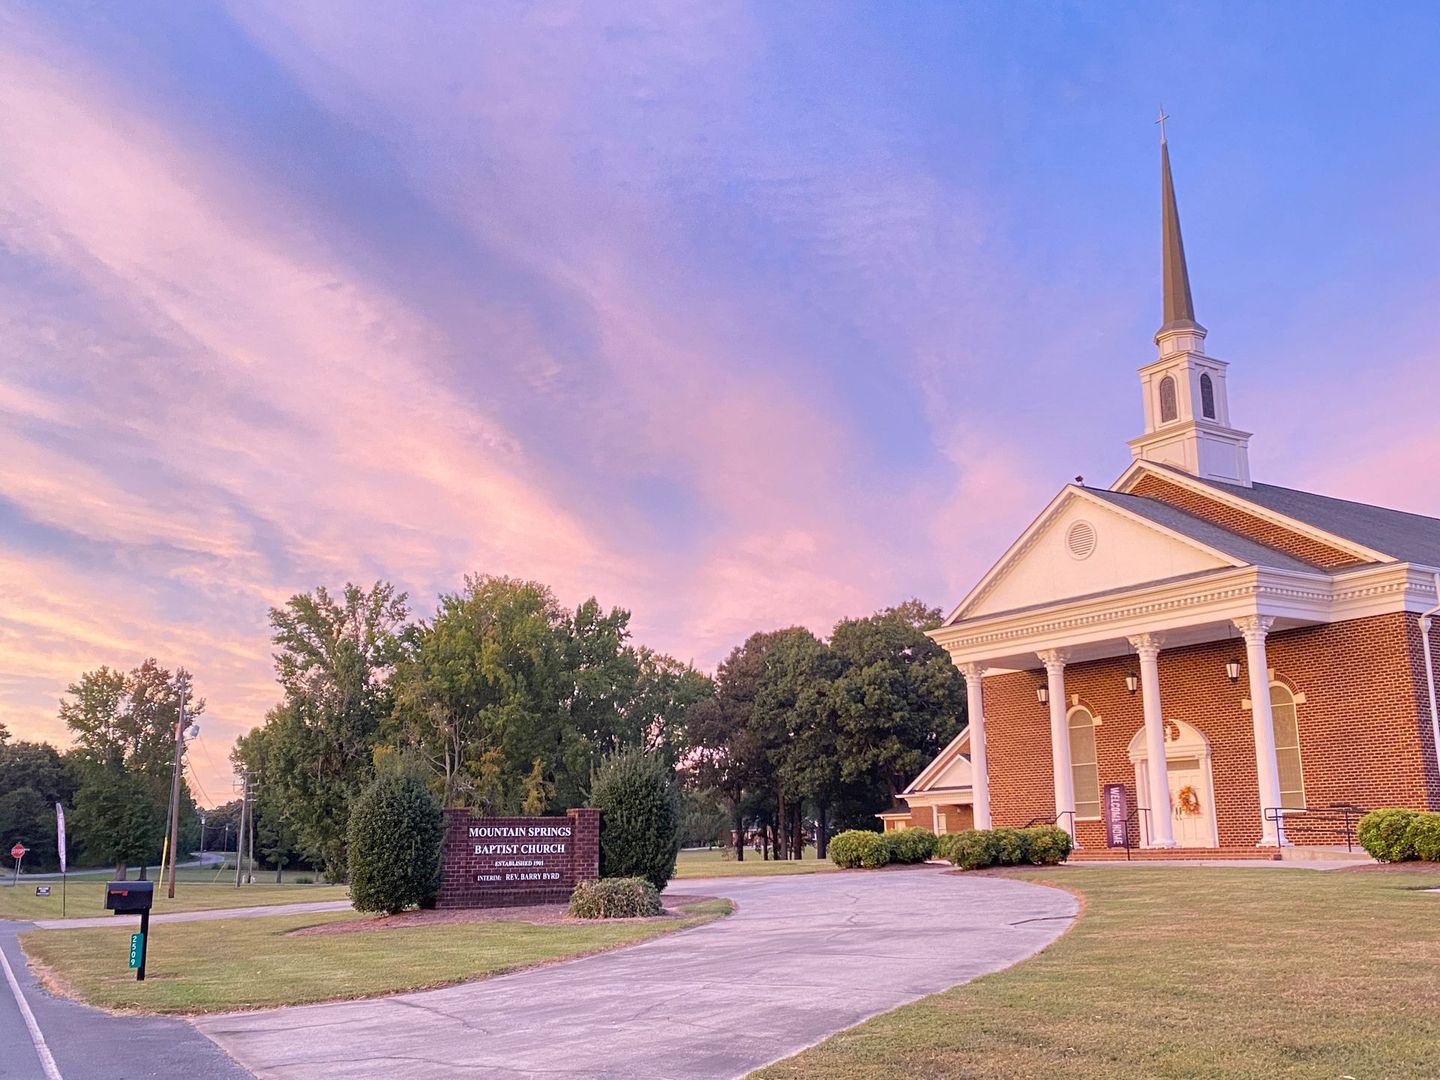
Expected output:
(505, 702)
(114, 781)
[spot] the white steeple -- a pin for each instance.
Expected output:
(1187, 412)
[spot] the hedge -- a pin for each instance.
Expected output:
(1385, 834)
(615, 898)
(975, 849)
(858, 848)
(1424, 836)
(910, 845)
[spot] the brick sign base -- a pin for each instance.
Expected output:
(514, 861)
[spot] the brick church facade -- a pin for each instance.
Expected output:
(1253, 655)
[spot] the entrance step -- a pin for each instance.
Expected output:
(1188, 854)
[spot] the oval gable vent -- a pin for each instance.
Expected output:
(1081, 539)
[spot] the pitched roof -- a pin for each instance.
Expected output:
(1202, 531)
(1406, 537)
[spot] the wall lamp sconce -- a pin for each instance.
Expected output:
(1232, 669)
(1131, 682)
(1042, 694)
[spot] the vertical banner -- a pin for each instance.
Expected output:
(1116, 802)
(60, 833)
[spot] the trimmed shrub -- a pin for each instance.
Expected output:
(975, 849)
(1048, 845)
(640, 814)
(1423, 836)
(616, 898)
(395, 832)
(1385, 834)
(910, 845)
(858, 848)
(1012, 847)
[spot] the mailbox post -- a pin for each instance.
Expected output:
(133, 898)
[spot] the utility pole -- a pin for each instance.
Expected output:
(244, 810)
(175, 781)
(251, 878)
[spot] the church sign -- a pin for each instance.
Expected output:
(514, 861)
(1116, 802)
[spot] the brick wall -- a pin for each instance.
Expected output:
(1364, 726)
(1251, 526)
(533, 873)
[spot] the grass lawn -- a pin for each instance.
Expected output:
(1186, 973)
(85, 898)
(251, 963)
(721, 863)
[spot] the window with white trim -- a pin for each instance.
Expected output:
(1207, 396)
(1287, 747)
(1084, 766)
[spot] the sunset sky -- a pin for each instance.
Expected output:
(737, 316)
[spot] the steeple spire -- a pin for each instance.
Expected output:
(1179, 307)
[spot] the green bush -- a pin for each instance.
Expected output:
(615, 898)
(857, 848)
(910, 845)
(640, 815)
(975, 849)
(1048, 845)
(1423, 836)
(394, 834)
(1385, 834)
(1012, 847)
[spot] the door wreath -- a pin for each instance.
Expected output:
(1187, 801)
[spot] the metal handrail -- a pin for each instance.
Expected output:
(1344, 814)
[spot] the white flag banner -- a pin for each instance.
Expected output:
(60, 833)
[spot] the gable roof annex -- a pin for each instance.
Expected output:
(956, 749)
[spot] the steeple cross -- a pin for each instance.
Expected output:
(1161, 121)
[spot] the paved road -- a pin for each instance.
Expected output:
(262, 911)
(802, 958)
(87, 1044)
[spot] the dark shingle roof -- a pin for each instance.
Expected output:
(1202, 531)
(1407, 537)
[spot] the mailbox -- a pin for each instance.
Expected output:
(129, 897)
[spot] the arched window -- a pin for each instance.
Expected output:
(1084, 769)
(1169, 410)
(1287, 747)
(1207, 396)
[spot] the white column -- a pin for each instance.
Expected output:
(1054, 661)
(1161, 829)
(979, 770)
(1254, 628)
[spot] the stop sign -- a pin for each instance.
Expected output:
(18, 851)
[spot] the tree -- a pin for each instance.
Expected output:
(129, 718)
(28, 818)
(640, 812)
(538, 791)
(729, 755)
(795, 716)
(118, 818)
(334, 659)
(482, 694)
(898, 701)
(395, 832)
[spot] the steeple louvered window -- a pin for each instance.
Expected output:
(1207, 396)
(1169, 406)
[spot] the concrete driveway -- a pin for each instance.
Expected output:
(802, 958)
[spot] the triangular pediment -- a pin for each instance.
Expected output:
(1082, 545)
(948, 770)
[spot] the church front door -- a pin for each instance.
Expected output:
(1191, 816)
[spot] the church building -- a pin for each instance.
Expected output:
(1191, 658)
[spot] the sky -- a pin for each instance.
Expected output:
(737, 316)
